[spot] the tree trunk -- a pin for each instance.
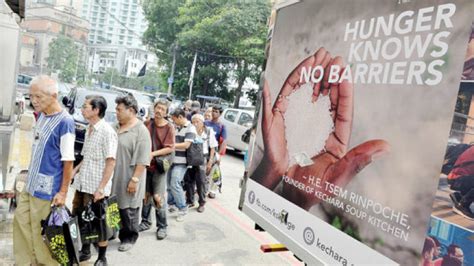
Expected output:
(205, 86)
(240, 84)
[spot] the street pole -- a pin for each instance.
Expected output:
(77, 66)
(191, 76)
(171, 79)
(111, 79)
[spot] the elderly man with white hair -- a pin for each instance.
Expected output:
(49, 173)
(197, 174)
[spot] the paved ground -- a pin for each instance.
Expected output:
(20, 158)
(443, 207)
(222, 235)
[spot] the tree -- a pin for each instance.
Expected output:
(64, 57)
(229, 37)
(233, 28)
(113, 77)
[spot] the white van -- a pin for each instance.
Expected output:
(236, 122)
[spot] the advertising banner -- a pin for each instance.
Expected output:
(356, 112)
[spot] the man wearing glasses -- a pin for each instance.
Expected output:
(49, 173)
(93, 181)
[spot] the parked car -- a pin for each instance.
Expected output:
(164, 95)
(145, 100)
(73, 103)
(23, 85)
(175, 104)
(63, 90)
(237, 121)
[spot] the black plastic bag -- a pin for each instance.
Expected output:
(99, 220)
(88, 224)
(52, 230)
(72, 236)
(113, 214)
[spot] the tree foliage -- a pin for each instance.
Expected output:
(112, 76)
(65, 58)
(228, 36)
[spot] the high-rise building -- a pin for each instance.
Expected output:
(115, 38)
(116, 22)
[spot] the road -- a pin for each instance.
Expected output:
(222, 235)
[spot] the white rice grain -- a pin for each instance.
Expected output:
(308, 125)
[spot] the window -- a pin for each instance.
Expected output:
(245, 119)
(230, 115)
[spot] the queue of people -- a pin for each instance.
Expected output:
(144, 164)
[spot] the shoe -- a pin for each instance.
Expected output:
(200, 208)
(181, 214)
(191, 205)
(463, 211)
(172, 208)
(143, 227)
(101, 262)
(161, 234)
(84, 256)
(125, 247)
(114, 236)
(455, 197)
(212, 195)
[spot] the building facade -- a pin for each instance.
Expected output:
(44, 22)
(115, 38)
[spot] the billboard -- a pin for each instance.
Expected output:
(356, 112)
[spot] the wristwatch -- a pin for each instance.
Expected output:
(101, 191)
(135, 179)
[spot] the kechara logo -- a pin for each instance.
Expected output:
(308, 235)
(309, 238)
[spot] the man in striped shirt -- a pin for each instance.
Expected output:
(49, 173)
(185, 135)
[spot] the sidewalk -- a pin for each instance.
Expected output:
(19, 160)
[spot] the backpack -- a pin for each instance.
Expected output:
(452, 154)
(195, 153)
